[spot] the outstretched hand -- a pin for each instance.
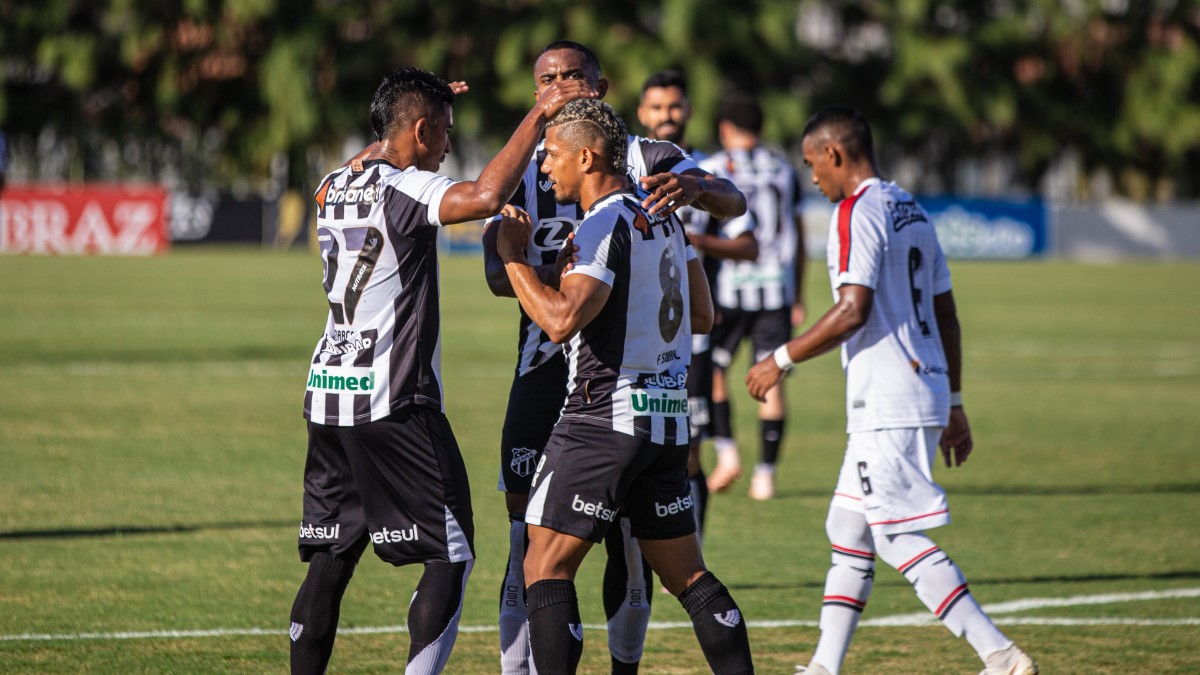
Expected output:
(553, 98)
(956, 439)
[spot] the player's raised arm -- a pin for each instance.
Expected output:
(485, 196)
(561, 313)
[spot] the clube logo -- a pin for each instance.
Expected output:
(341, 378)
(666, 402)
(522, 461)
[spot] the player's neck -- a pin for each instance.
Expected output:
(390, 151)
(599, 185)
(857, 174)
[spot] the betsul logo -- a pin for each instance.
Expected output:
(386, 536)
(680, 505)
(596, 510)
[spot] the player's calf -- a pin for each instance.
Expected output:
(719, 626)
(315, 612)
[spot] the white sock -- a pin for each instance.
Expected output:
(848, 585)
(627, 628)
(515, 657)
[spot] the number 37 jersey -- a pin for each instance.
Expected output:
(628, 367)
(381, 350)
(896, 375)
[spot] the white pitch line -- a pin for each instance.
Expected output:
(899, 620)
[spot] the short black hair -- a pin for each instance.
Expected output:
(589, 57)
(584, 121)
(743, 111)
(405, 95)
(848, 126)
(666, 78)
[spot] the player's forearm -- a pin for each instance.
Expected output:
(493, 264)
(742, 247)
(951, 334)
(720, 198)
(546, 306)
(699, 299)
(831, 330)
(500, 178)
(800, 261)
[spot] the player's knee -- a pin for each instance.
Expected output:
(847, 529)
(905, 550)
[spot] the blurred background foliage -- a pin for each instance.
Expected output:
(992, 96)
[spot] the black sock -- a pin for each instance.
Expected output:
(315, 612)
(555, 630)
(434, 606)
(719, 625)
(772, 437)
(721, 425)
(622, 668)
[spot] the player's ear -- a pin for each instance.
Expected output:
(587, 159)
(420, 129)
(834, 154)
(601, 88)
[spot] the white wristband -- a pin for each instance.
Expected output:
(783, 359)
(956, 399)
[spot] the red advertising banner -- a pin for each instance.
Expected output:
(88, 219)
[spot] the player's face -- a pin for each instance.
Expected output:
(562, 168)
(665, 112)
(436, 139)
(818, 158)
(565, 64)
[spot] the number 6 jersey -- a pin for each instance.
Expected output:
(377, 230)
(896, 376)
(628, 367)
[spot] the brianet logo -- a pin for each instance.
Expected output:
(333, 378)
(596, 510)
(386, 536)
(680, 505)
(320, 532)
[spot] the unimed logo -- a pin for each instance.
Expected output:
(680, 505)
(667, 402)
(335, 378)
(386, 536)
(596, 510)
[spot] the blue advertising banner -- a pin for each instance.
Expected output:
(989, 228)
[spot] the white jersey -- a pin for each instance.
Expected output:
(629, 365)
(896, 374)
(382, 344)
(552, 222)
(772, 191)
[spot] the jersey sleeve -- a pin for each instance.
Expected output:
(860, 242)
(601, 246)
(415, 199)
(663, 157)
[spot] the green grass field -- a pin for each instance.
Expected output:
(151, 448)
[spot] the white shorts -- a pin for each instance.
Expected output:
(888, 477)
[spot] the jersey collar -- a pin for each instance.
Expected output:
(862, 187)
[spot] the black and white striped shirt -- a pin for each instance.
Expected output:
(381, 350)
(554, 221)
(773, 197)
(629, 365)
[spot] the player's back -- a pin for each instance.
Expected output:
(896, 369)
(381, 346)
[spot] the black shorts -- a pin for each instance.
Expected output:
(588, 472)
(398, 483)
(534, 403)
(699, 388)
(766, 328)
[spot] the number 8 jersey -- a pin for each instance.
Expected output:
(377, 231)
(628, 367)
(896, 375)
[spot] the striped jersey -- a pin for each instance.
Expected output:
(772, 191)
(896, 374)
(381, 350)
(552, 222)
(628, 366)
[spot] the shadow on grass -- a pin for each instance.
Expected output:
(1177, 575)
(135, 530)
(1039, 490)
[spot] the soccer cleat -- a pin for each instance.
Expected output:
(813, 668)
(1009, 661)
(762, 486)
(728, 469)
